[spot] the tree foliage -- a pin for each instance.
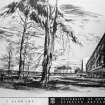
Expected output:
(37, 10)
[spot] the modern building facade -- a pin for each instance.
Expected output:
(95, 66)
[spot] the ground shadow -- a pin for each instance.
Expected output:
(52, 85)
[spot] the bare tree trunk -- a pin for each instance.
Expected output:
(48, 48)
(21, 48)
(9, 61)
(47, 60)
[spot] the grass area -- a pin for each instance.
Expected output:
(61, 83)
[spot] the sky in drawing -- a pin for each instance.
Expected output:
(95, 27)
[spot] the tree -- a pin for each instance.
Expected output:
(21, 59)
(50, 26)
(7, 59)
(26, 47)
(78, 70)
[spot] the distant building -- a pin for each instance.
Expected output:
(63, 69)
(95, 66)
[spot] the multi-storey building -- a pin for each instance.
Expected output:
(95, 66)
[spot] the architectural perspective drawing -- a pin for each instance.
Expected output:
(52, 48)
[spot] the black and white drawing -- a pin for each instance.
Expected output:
(52, 48)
